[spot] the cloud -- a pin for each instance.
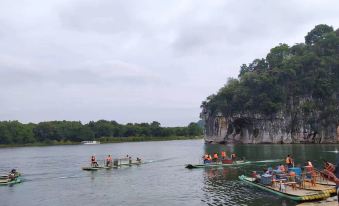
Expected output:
(133, 61)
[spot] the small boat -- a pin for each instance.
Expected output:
(90, 142)
(217, 164)
(297, 195)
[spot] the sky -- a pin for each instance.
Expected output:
(137, 61)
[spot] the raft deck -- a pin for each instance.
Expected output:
(297, 194)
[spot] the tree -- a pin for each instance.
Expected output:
(317, 34)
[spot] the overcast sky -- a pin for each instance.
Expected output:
(136, 61)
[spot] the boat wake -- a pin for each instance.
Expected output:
(333, 151)
(268, 161)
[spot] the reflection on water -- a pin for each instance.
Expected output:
(53, 176)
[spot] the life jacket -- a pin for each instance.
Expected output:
(292, 174)
(206, 157)
(215, 156)
(223, 154)
(309, 163)
(93, 159)
(288, 160)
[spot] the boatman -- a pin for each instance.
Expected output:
(13, 174)
(94, 162)
(223, 155)
(289, 161)
(233, 156)
(206, 159)
(108, 161)
(130, 160)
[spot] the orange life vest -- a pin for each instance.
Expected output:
(292, 174)
(215, 156)
(288, 160)
(223, 154)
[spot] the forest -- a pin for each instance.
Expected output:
(54, 132)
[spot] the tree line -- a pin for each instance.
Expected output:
(14, 132)
(302, 77)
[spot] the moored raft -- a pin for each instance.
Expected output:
(296, 195)
(216, 164)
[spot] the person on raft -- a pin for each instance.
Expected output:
(289, 161)
(215, 157)
(138, 160)
(207, 159)
(308, 163)
(223, 155)
(13, 174)
(94, 162)
(109, 161)
(233, 156)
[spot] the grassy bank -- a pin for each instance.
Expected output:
(104, 140)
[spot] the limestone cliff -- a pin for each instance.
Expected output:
(288, 126)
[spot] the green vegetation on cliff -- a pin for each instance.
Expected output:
(304, 77)
(66, 132)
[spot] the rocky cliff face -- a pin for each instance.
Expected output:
(292, 125)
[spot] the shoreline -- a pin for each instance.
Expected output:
(104, 140)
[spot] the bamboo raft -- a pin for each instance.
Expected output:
(119, 163)
(318, 192)
(216, 164)
(4, 180)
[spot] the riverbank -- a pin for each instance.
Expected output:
(104, 140)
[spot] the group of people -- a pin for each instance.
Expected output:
(215, 158)
(109, 161)
(287, 171)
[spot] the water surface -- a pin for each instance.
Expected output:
(53, 175)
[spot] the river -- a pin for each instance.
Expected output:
(53, 176)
